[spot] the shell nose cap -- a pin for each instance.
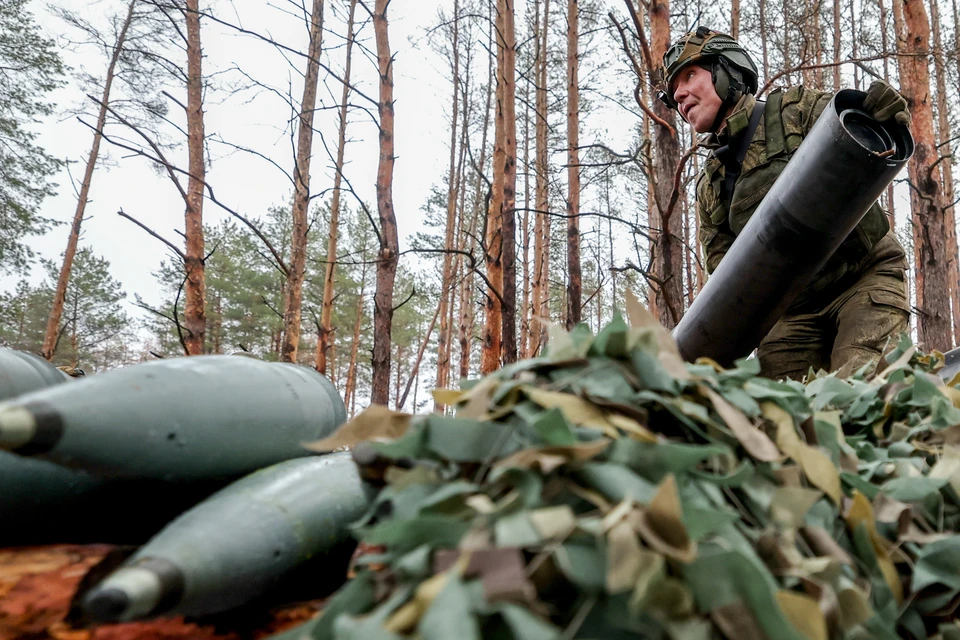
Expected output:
(17, 426)
(30, 428)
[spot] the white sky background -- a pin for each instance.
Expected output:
(249, 184)
(245, 182)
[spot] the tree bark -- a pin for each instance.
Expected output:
(301, 193)
(735, 19)
(56, 309)
(926, 196)
(541, 227)
(389, 240)
(946, 169)
(508, 344)
(493, 321)
(447, 289)
(467, 317)
(350, 388)
(668, 259)
(325, 337)
(885, 50)
(525, 228)
(574, 276)
(194, 319)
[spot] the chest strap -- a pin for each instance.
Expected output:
(733, 164)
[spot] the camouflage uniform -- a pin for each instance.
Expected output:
(858, 300)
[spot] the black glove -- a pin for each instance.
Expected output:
(884, 102)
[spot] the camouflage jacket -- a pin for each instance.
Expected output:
(788, 117)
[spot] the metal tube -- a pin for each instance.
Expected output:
(832, 180)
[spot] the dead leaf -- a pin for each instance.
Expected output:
(661, 524)
(549, 458)
(804, 614)
(753, 439)
(373, 423)
(817, 466)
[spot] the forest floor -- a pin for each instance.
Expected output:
(37, 585)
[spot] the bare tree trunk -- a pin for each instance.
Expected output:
(735, 19)
(525, 232)
(56, 310)
(325, 336)
(541, 226)
(946, 170)
(493, 322)
(350, 389)
(668, 264)
(396, 387)
(885, 50)
(389, 240)
(508, 344)
(467, 317)
(301, 194)
(926, 197)
(447, 289)
(414, 373)
(837, 39)
(574, 277)
(194, 319)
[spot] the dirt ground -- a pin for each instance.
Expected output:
(38, 583)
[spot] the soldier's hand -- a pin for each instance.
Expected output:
(884, 102)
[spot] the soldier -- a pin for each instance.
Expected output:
(842, 320)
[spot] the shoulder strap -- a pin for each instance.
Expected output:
(733, 168)
(773, 125)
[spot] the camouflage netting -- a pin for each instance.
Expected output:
(608, 490)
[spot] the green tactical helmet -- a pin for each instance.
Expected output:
(734, 73)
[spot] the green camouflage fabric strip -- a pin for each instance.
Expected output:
(609, 490)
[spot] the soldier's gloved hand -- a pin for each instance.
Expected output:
(884, 102)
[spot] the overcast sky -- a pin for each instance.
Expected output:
(246, 182)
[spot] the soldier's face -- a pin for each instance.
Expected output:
(697, 100)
